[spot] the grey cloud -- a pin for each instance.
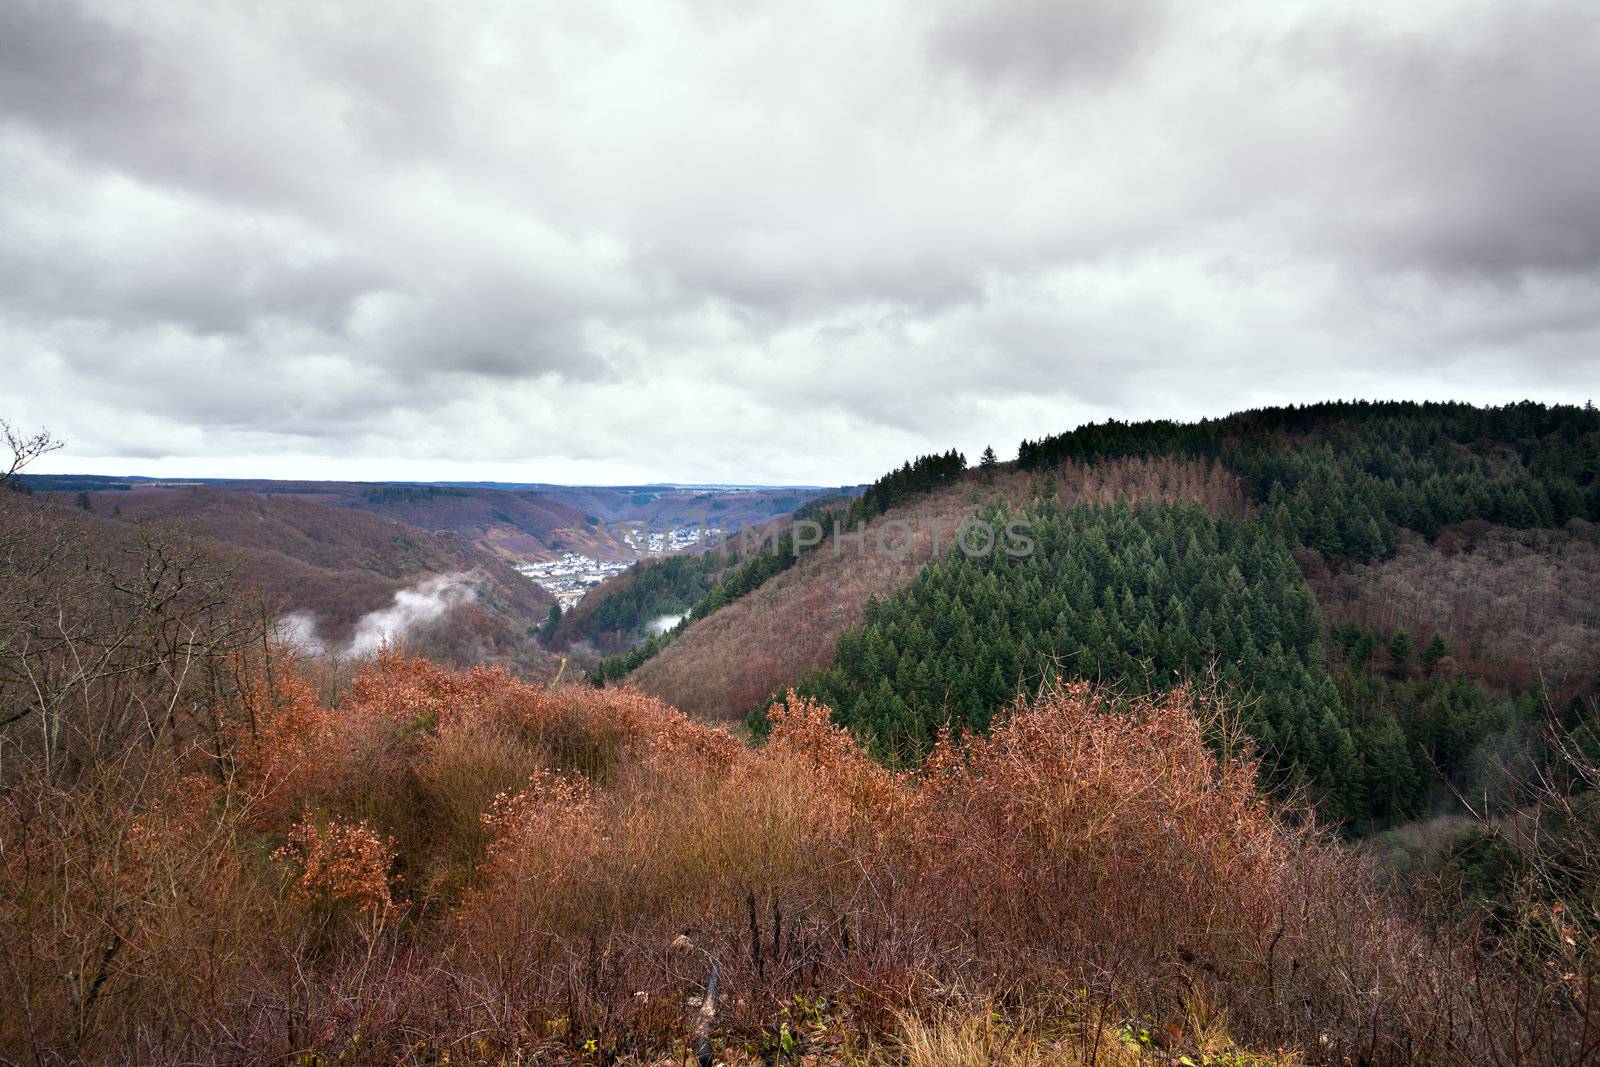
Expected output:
(1045, 45)
(61, 66)
(209, 283)
(232, 103)
(524, 233)
(494, 331)
(1473, 148)
(397, 70)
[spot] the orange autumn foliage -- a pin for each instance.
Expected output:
(575, 859)
(337, 864)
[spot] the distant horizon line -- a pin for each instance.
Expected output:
(448, 484)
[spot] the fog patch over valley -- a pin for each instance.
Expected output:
(422, 604)
(662, 623)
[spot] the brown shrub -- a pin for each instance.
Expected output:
(582, 858)
(128, 917)
(338, 864)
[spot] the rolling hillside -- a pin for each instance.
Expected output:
(413, 847)
(515, 522)
(667, 503)
(1518, 607)
(511, 524)
(728, 662)
(533, 524)
(1396, 595)
(340, 564)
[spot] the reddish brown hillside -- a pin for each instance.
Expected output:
(339, 564)
(730, 661)
(1516, 606)
(514, 524)
(672, 505)
(541, 522)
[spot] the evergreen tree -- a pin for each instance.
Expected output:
(1401, 649)
(1418, 465)
(1107, 595)
(1437, 650)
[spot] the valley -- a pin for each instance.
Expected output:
(519, 523)
(330, 554)
(1458, 541)
(971, 533)
(1333, 656)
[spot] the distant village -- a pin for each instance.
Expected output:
(570, 576)
(638, 538)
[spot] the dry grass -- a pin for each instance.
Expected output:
(1073, 1035)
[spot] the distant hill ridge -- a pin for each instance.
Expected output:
(513, 521)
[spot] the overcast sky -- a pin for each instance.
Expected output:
(796, 242)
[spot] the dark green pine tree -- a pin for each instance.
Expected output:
(1437, 650)
(1364, 648)
(1391, 774)
(1401, 649)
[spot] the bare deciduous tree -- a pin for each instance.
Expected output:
(24, 450)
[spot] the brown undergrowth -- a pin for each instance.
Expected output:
(461, 864)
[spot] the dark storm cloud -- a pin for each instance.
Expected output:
(1478, 149)
(61, 66)
(636, 241)
(1043, 45)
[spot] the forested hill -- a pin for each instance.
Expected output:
(1138, 596)
(1340, 477)
(1381, 725)
(789, 612)
(1129, 585)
